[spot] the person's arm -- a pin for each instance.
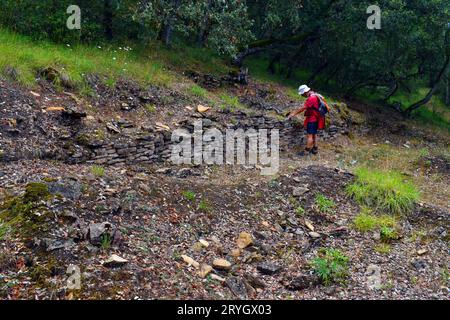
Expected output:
(296, 112)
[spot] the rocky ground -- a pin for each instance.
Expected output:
(151, 230)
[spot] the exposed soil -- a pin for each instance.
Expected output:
(154, 214)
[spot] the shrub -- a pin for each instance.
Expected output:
(331, 265)
(324, 204)
(386, 191)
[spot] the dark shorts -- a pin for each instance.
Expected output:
(312, 128)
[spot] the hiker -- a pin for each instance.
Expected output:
(315, 109)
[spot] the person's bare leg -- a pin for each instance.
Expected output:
(310, 141)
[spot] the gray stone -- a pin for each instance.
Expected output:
(268, 268)
(237, 287)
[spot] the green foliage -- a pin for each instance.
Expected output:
(383, 248)
(26, 56)
(198, 91)
(204, 206)
(388, 234)
(366, 221)
(36, 191)
(383, 191)
(230, 102)
(189, 195)
(106, 241)
(300, 211)
(324, 204)
(98, 171)
(331, 265)
(150, 108)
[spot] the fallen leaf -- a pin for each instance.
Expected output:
(202, 109)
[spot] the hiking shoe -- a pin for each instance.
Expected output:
(315, 150)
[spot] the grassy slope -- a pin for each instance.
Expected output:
(146, 64)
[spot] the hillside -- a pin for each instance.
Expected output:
(86, 180)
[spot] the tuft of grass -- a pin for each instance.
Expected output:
(331, 265)
(383, 248)
(150, 108)
(386, 191)
(98, 171)
(230, 102)
(189, 195)
(324, 204)
(204, 206)
(300, 211)
(366, 221)
(388, 234)
(106, 241)
(198, 91)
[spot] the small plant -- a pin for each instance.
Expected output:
(324, 204)
(230, 102)
(366, 221)
(383, 248)
(300, 211)
(150, 108)
(98, 171)
(189, 195)
(204, 206)
(198, 91)
(331, 265)
(105, 241)
(384, 191)
(388, 234)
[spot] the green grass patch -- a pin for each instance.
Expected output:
(27, 57)
(385, 191)
(198, 91)
(189, 195)
(98, 171)
(324, 204)
(204, 206)
(300, 211)
(230, 102)
(366, 221)
(150, 108)
(383, 248)
(331, 265)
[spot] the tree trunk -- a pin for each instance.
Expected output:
(276, 59)
(433, 89)
(167, 31)
(447, 92)
(108, 19)
(393, 89)
(203, 34)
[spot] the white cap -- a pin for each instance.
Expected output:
(303, 89)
